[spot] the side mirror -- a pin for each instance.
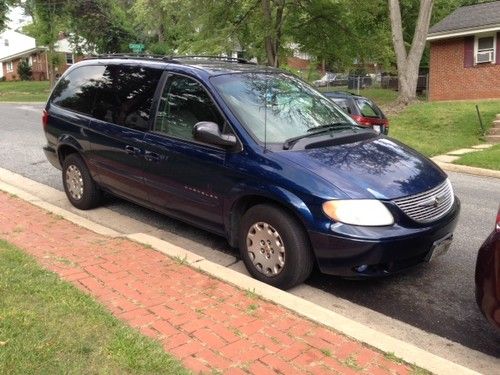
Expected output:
(209, 132)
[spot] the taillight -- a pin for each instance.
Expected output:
(45, 119)
(497, 226)
(361, 120)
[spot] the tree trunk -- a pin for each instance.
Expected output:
(269, 41)
(52, 78)
(408, 62)
(278, 29)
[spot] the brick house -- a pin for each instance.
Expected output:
(36, 57)
(465, 54)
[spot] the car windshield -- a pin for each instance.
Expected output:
(275, 107)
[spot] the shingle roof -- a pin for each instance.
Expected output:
(469, 17)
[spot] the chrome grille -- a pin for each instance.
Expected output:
(429, 205)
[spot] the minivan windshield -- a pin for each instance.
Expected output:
(276, 107)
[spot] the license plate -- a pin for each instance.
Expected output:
(440, 247)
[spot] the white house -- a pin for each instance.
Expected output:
(13, 43)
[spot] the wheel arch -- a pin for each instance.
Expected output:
(285, 200)
(67, 145)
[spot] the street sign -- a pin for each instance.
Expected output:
(136, 47)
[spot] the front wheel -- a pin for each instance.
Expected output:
(274, 246)
(80, 188)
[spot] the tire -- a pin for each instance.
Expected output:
(80, 188)
(287, 259)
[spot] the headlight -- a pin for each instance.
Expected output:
(367, 212)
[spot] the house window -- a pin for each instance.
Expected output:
(10, 67)
(69, 59)
(485, 49)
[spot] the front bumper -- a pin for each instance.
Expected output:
(363, 252)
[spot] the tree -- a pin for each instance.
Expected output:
(4, 9)
(49, 18)
(408, 62)
(103, 25)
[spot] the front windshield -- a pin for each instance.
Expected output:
(275, 107)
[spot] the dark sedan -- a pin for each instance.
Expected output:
(363, 110)
(488, 276)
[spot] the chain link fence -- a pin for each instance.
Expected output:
(357, 83)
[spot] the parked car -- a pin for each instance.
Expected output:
(331, 79)
(253, 154)
(488, 276)
(363, 110)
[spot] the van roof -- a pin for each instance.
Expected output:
(213, 65)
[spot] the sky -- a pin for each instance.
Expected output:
(17, 18)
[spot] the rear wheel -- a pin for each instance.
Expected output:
(274, 246)
(80, 188)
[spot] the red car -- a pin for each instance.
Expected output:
(488, 276)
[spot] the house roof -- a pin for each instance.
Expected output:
(23, 54)
(468, 20)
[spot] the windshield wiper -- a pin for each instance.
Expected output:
(334, 126)
(288, 144)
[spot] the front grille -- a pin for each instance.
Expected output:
(429, 205)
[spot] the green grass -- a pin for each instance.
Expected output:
(435, 128)
(489, 158)
(47, 326)
(24, 91)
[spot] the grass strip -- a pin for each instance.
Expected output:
(47, 326)
(24, 91)
(489, 158)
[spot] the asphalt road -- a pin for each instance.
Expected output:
(437, 298)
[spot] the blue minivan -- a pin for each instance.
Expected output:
(253, 154)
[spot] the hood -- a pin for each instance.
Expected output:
(380, 168)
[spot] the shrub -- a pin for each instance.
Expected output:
(24, 71)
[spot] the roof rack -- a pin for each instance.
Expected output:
(172, 59)
(211, 57)
(132, 56)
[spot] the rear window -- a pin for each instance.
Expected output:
(118, 94)
(368, 109)
(76, 90)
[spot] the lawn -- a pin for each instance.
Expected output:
(435, 128)
(24, 91)
(489, 158)
(47, 326)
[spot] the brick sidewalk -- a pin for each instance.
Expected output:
(210, 325)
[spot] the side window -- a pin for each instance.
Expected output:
(184, 102)
(125, 95)
(76, 91)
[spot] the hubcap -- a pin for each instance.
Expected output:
(266, 249)
(74, 182)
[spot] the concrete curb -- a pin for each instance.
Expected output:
(346, 326)
(468, 170)
(78, 220)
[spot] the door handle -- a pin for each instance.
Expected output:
(131, 150)
(152, 156)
